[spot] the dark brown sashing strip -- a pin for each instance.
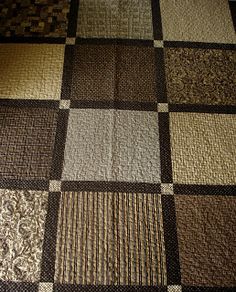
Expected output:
(11, 184)
(228, 190)
(199, 45)
(171, 240)
(60, 140)
(207, 289)
(114, 41)
(67, 72)
(65, 237)
(50, 238)
(52, 104)
(122, 105)
(160, 76)
(72, 19)
(156, 20)
(72, 256)
(165, 148)
(60, 234)
(33, 40)
(75, 268)
(103, 186)
(103, 288)
(232, 6)
(202, 108)
(18, 287)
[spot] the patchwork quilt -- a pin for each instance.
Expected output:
(117, 146)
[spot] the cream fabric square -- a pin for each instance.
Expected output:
(197, 21)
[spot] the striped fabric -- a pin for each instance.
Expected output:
(110, 238)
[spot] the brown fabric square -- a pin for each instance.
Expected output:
(206, 228)
(110, 72)
(136, 74)
(106, 238)
(93, 75)
(200, 76)
(26, 142)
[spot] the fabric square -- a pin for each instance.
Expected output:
(26, 142)
(200, 76)
(206, 238)
(203, 148)
(110, 239)
(112, 145)
(130, 19)
(22, 221)
(31, 71)
(110, 72)
(197, 21)
(34, 18)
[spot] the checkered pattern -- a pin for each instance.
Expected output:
(117, 146)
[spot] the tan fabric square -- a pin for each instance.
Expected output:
(110, 239)
(197, 21)
(31, 71)
(22, 220)
(115, 19)
(203, 148)
(206, 229)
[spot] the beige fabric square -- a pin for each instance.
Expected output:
(203, 148)
(31, 71)
(112, 145)
(115, 19)
(197, 21)
(110, 239)
(22, 222)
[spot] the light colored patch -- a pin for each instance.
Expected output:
(163, 107)
(45, 287)
(64, 104)
(70, 41)
(54, 186)
(158, 44)
(174, 288)
(167, 189)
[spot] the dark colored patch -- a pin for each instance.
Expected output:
(27, 141)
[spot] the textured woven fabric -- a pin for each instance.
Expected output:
(117, 146)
